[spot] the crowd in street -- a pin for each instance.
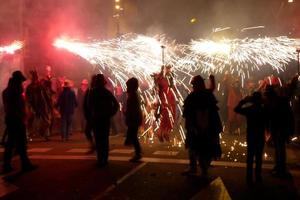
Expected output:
(270, 109)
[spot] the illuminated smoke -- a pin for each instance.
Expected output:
(12, 48)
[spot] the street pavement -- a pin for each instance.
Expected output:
(66, 171)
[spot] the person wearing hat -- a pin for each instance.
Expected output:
(203, 125)
(103, 106)
(14, 108)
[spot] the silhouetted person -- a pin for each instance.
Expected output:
(133, 115)
(14, 108)
(280, 125)
(103, 106)
(66, 103)
(39, 105)
(252, 107)
(203, 126)
(87, 114)
(80, 99)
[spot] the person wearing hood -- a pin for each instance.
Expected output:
(15, 116)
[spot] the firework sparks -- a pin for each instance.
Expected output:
(141, 56)
(12, 48)
(239, 56)
(127, 56)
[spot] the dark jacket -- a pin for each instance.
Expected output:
(203, 123)
(14, 102)
(86, 105)
(102, 104)
(280, 117)
(256, 119)
(67, 101)
(133, 112)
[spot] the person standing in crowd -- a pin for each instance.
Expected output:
(80, 99)
(66, 103)
(234, 96)
(252, 107)
(87, 114)
(103, 106)
(280, 125)
(49, 114)
(15, 114)
(121, 98)
(203, 125)
(133, 117)
(39, 107)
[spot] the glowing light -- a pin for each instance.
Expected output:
(11, 49)
(128, 56)
(117, 7)
(210, 48)
(294, 138)
(239, 56)
(232, 148)
(193, 20)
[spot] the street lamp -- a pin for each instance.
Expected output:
(117, 15)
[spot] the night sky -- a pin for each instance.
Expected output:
(90, 18)
(43, 21)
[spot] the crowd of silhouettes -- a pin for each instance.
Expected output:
(267, 109)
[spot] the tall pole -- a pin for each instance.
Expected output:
(298, 51)
(118, 26)
(163, 54)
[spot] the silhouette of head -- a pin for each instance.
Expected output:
(93, 81)
(198, 83)
(256, 97)
(100, 81)
(270, 91)
(132, 85)
(18, 76)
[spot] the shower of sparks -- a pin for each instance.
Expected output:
(129, 56)
(134, 55)
(126, 56)
(239, 56)
(12, 48)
